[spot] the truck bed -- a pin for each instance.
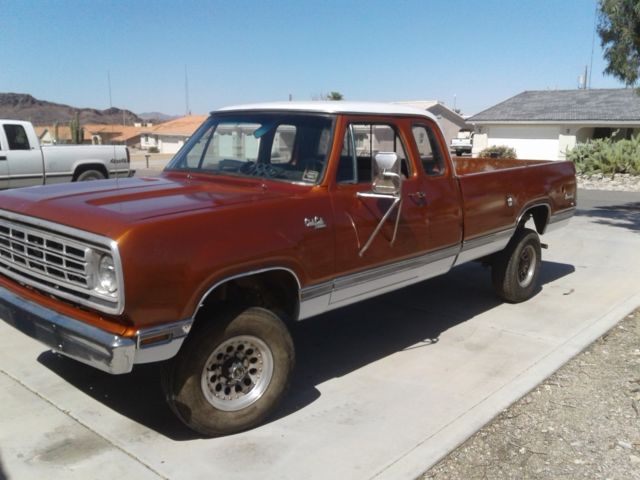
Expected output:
(470, 166)
(488, 185)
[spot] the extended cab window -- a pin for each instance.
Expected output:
(361, 144)
(17, 137)
(269, 145)
(429, 149)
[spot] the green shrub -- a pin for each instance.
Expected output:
(498, 151)
(606, 156)
(153, 150)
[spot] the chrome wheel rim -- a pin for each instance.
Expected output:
(237, 373)
(526, 266)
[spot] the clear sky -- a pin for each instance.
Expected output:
(471, 52)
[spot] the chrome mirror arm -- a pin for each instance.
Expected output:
(397, 202)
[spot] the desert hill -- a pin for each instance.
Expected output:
(22, 106)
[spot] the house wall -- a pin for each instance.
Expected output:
(170, 143)
(541, 142)
(529, 141)
(148, 140)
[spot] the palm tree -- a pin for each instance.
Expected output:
(335, 96)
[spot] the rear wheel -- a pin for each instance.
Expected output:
(516, 269)
(90, 175)
(231, 375)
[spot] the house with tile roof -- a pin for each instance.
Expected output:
(58, 134)
(546, 124)
(128, 135)
(93, 134)
(168, 137)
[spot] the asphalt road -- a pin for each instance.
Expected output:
(599, 200)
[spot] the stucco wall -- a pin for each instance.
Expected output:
(169, 144)
(534, 142)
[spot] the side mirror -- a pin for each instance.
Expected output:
(387, 179)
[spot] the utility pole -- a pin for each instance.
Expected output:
(186, 90)
(109, 82)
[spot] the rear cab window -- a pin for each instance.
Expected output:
(431, 157)
(16, 137)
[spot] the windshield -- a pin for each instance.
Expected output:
(283, 147)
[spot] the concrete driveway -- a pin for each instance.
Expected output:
(383, 389)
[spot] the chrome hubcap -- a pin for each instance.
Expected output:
(237, 373)
(526, 266)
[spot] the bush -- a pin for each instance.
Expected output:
(498, 151)
(153, 150)
(607, 156)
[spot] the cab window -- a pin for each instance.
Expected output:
(17, 137)
(361, 144)
(430, 155)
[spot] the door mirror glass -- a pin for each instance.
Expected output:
(387, 178)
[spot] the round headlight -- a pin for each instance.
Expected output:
(107, 280)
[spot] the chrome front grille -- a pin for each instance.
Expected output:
(57, 260)
(36, 252)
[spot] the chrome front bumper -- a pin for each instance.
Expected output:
(88, 344)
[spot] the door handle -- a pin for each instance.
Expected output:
(2, 157)
(419, 197)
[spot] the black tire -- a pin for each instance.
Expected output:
(458, 153)
(245, 339)
(90, 174)
(515, 270)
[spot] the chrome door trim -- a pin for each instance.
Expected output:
(355, 287)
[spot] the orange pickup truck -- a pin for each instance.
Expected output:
(270, 214)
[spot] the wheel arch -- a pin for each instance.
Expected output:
(276, 289)
(83, 167)
(540, 212)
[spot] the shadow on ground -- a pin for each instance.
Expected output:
(623, 216)
(3, 476)
(328, 346)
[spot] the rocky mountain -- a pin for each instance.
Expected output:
(156, 117)
(22, 106)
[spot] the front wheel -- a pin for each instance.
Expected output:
(516, 269)
(231, 375)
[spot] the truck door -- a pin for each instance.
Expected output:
(24, 157)
(374, 252)
(442, 198)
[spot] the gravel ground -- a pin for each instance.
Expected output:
(582, 422)
(618, 182)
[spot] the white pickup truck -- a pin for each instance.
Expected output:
(24, 162)
(463, 143)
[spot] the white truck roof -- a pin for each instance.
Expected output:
(343, 107)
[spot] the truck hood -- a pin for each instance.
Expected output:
(109, 207)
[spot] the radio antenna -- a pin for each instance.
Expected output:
(111, 124)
